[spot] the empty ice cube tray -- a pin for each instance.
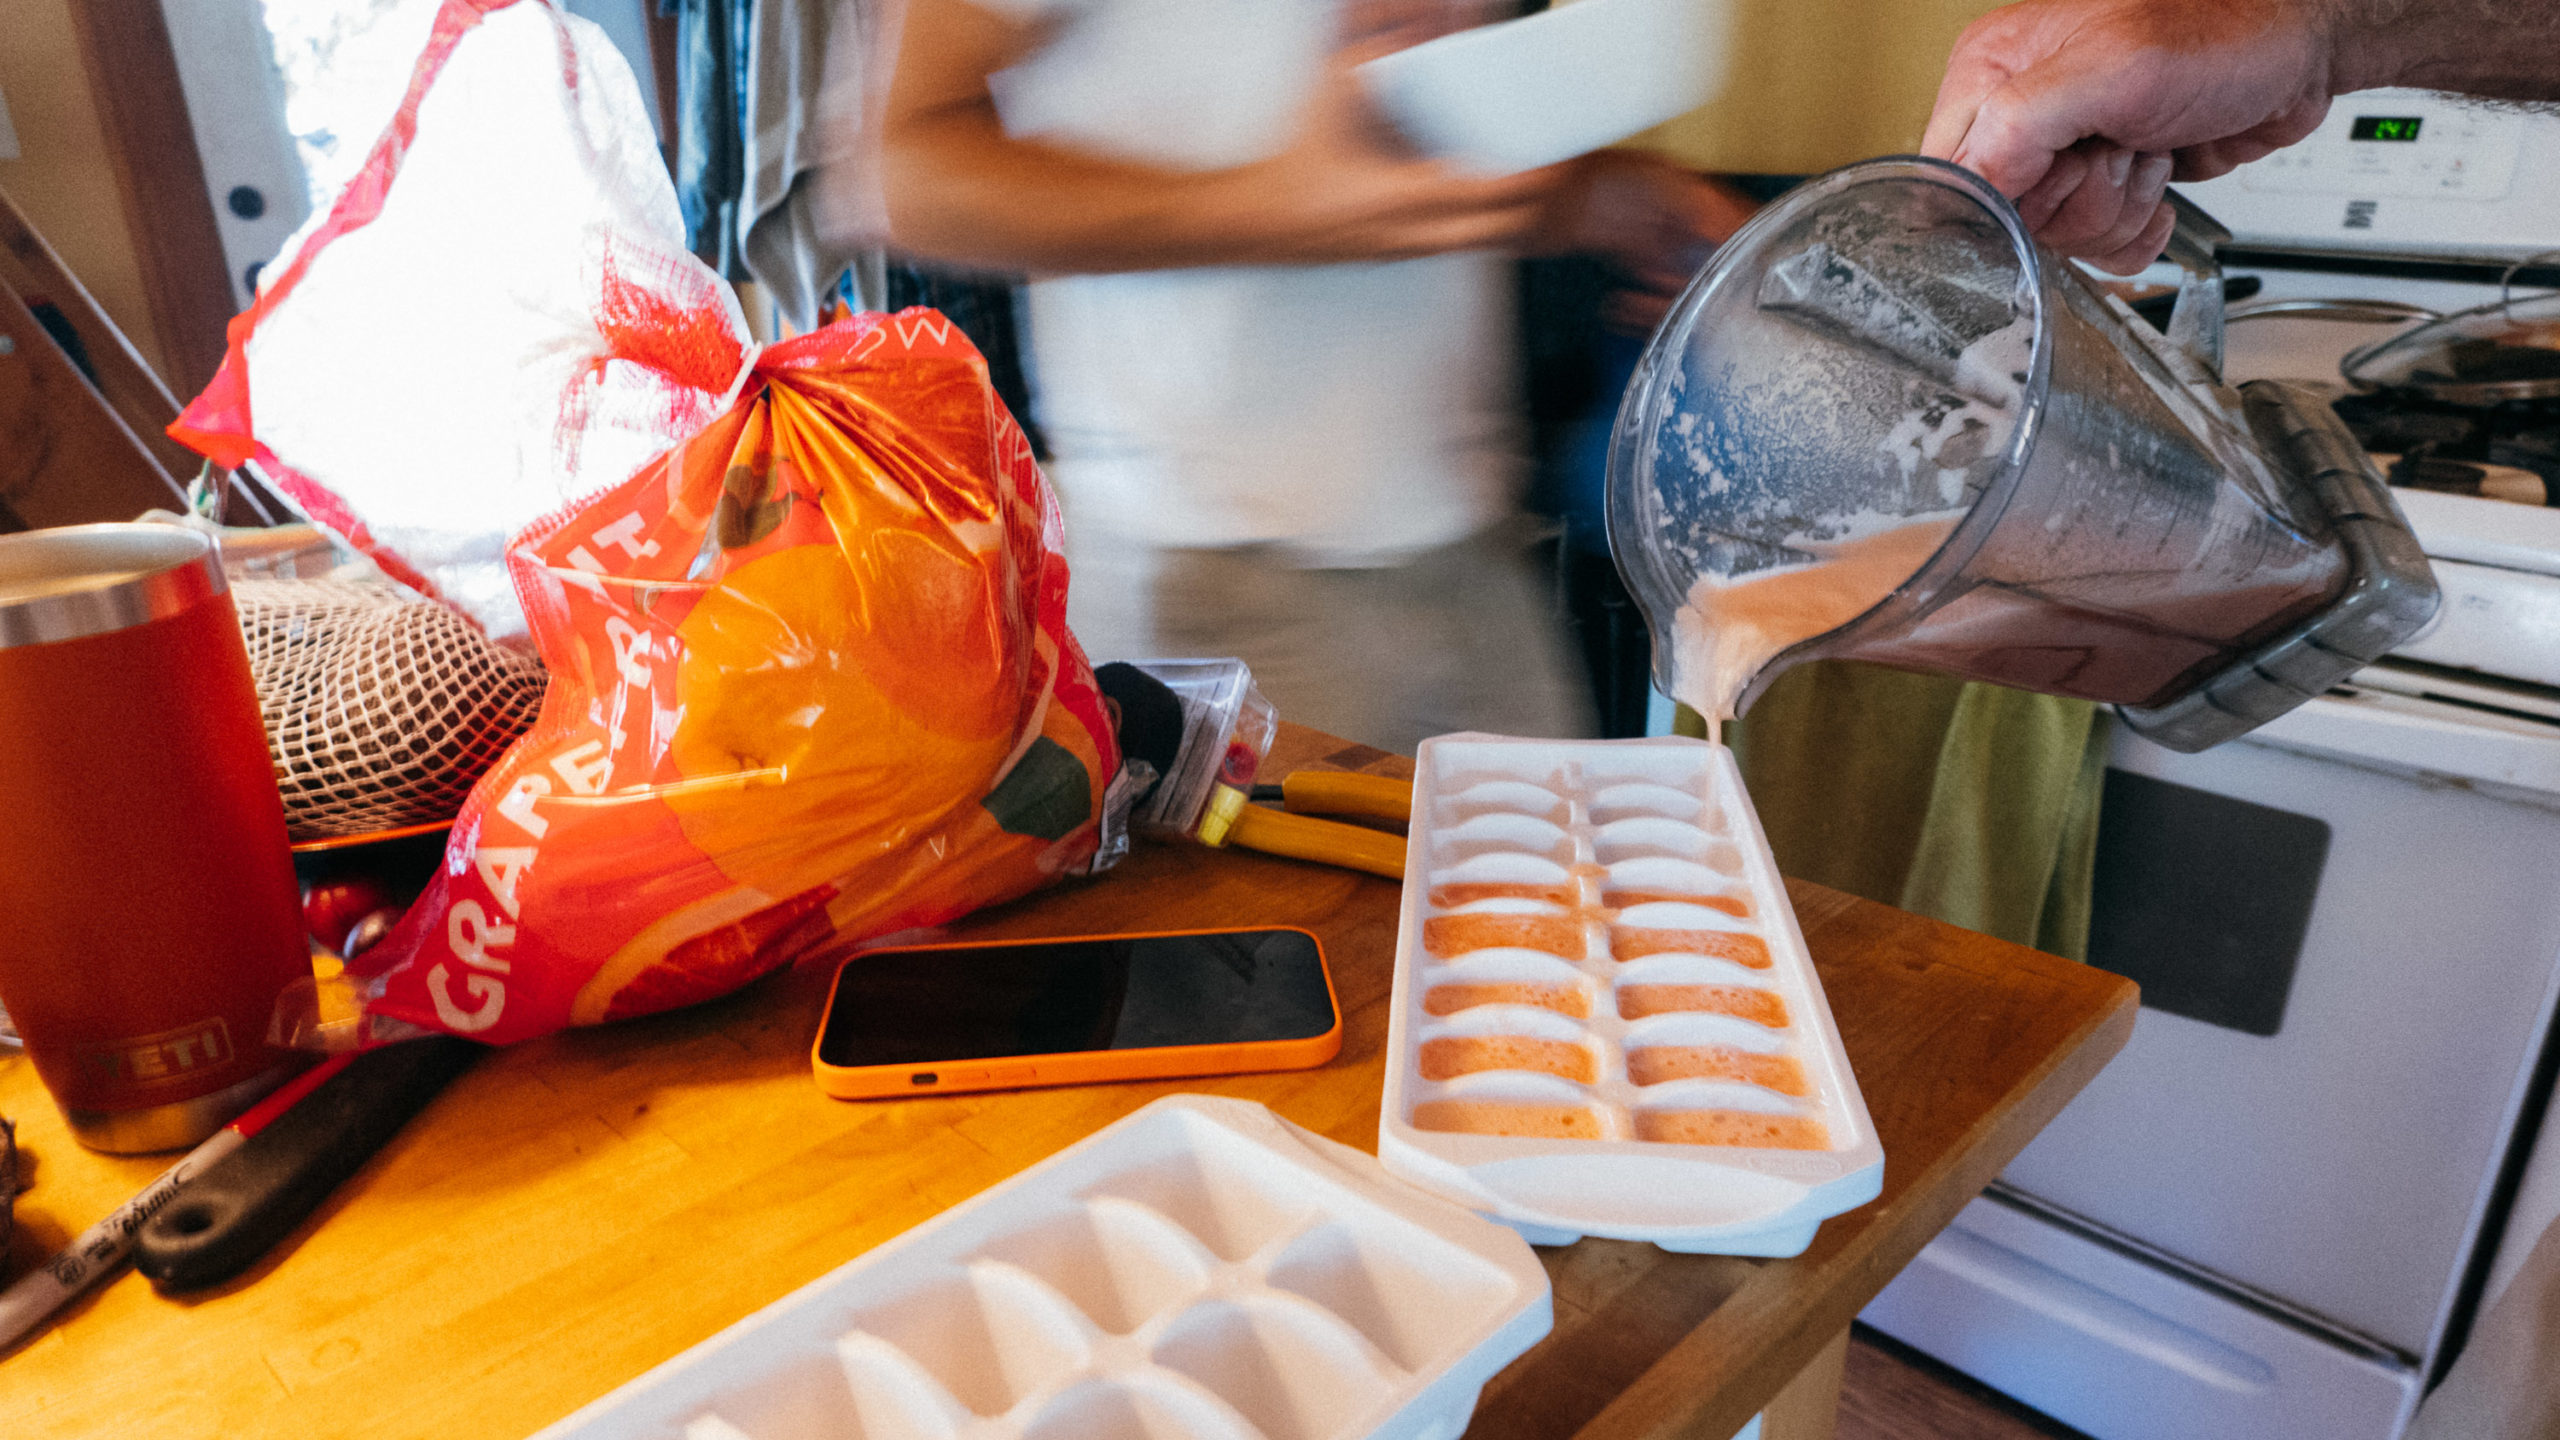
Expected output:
(1200, 1270)
(1605, 1019)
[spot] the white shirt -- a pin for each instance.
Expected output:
(1353, 414)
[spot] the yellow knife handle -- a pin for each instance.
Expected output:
(1328, 842)
(1346, 792)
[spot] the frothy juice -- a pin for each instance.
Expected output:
(1734, 626)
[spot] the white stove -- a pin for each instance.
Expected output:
(2401, 174)
(2277, 1212)
(2499, 568)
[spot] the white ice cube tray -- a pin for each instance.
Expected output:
(1200, 1270)
(1541, 848)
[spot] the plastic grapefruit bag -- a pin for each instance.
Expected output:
(811, 676)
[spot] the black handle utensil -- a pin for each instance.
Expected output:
(225, 1218)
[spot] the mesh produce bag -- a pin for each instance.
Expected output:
(382, 709)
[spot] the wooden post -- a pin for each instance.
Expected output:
(65, 458)
(168, 209)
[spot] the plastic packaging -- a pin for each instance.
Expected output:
(1199, 1269)
(381, 708)
(494, 319)
(1605, 1020)
(1227, 728)
(803, 608)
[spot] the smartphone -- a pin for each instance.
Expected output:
(1007, 1014)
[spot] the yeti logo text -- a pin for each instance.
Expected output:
(146, 1059)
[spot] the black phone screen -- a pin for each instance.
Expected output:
(1051, 997)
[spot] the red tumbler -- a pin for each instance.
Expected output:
(149, 915)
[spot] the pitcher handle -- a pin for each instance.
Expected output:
(2195, 324)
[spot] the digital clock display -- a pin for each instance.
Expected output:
(2385, 127)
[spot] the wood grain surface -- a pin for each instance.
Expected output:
(575, 1210)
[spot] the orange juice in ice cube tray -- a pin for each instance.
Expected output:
(1605, 1020)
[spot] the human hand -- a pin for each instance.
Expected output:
(2084, 110)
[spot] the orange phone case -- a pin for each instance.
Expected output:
(1079, 1067)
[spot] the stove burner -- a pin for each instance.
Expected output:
(2452, 477)
(2417, 430)
(2496, 360)
(2428, 433)
(2539, 454)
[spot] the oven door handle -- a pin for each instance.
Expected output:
(2361, 311)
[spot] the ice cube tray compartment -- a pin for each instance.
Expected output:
(1198, 1271)
(1295, 1371)
(989, 1333)
(1118, 1262)
(1511, 836)
(1596, 959)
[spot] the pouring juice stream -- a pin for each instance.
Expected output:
(1733, 627)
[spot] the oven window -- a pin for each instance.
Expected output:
(2202, 900)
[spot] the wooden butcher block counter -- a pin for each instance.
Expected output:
(575, 1210)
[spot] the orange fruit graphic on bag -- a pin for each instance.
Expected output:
(811, 682)
(830, 774)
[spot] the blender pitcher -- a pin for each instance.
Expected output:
(2036, 488)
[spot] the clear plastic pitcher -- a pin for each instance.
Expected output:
(2067, 500)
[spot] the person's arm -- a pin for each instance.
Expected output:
(2494, 49)
(1345, 187)
(2084, 110)
(960, 189)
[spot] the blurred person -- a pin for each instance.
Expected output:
(2084, 110)
(1272, 348)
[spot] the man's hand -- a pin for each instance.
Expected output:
(2084, 110)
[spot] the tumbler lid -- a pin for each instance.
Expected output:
(81, 580)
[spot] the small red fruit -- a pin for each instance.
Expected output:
(330, 908)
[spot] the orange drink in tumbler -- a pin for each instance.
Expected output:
(148, 910)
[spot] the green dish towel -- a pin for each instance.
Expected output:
(1972, 803)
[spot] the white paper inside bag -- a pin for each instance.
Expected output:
(455, 369)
